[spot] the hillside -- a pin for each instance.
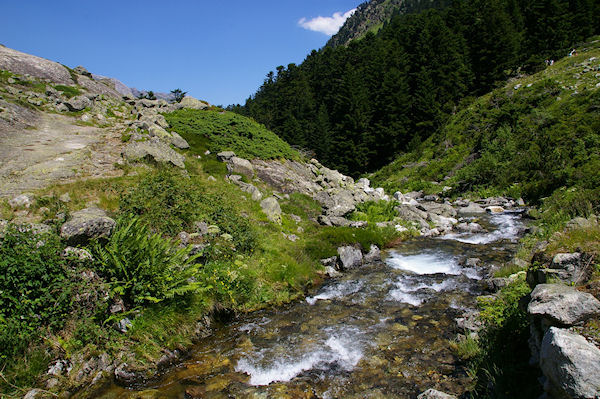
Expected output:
(528, 138)
(371, 16)
(359, 106)
(153, 220)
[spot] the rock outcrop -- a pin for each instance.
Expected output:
(570, 364)
(558, 304)
(152, 149)
(87, 224)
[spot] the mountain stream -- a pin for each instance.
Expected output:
(379, 331)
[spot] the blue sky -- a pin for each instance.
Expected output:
(219, 51)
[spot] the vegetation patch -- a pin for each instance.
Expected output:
(221, 131)
(68, 91)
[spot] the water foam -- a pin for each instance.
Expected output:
(340, 290)
(508, 227)
(340, 350)
(424, 263)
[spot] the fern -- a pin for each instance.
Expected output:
(144, 268)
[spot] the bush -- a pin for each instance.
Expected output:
(375, 211)
(230, 131)
(144, 268)
(170, 203)
(35, 289)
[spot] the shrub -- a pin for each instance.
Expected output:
(144, 268)
(375, 211)
(230, 131)
(35, 289)
(68, 91)
(170, 203)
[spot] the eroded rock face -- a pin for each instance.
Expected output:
(154, 150)
(562, 305)
(350, 257)
(26, 64)
(571, 364)
(87, 224)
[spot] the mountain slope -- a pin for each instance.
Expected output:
(358, 106)
(528, 138)
(372, 15)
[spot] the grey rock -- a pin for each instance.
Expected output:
(469, 227)
(571, 365)
(76, 253)
(66, 198)
(295, 218)
(87, 224)
(331, 272)
(562, 305)
(184, 238)
(179, 141)
(251, 189)
(123, 325)
(154, 150)
(201, 228)
(433, 394)
(494, 209)
(374, 255)
(271, 208)
(472, 208)
(34, 393)
(359, 224)
(339, 221)
(570, 267)
(225, 156)
(78, 103)
(124, 375)
(329, 261)
(350, 257)
(288, 176)
(193, 103)
(473, 262)
(82, 71)
(338, 204)
(240, 166)
(22, 201)
(159, 132)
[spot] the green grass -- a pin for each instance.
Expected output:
(68, 91)
(221, 131)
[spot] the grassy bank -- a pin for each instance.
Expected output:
(241, 262)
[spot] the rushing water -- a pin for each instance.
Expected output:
(380, 331)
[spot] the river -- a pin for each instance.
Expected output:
(379, 331)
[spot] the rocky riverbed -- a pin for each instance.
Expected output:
(383, 328)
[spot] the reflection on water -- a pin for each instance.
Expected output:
(382, 329)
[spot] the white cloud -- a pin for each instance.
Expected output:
(326, 25)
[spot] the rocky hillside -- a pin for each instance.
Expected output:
(372, 15)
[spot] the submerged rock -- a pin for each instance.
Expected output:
(571, 365)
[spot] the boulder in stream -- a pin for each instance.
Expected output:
(350, 257)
